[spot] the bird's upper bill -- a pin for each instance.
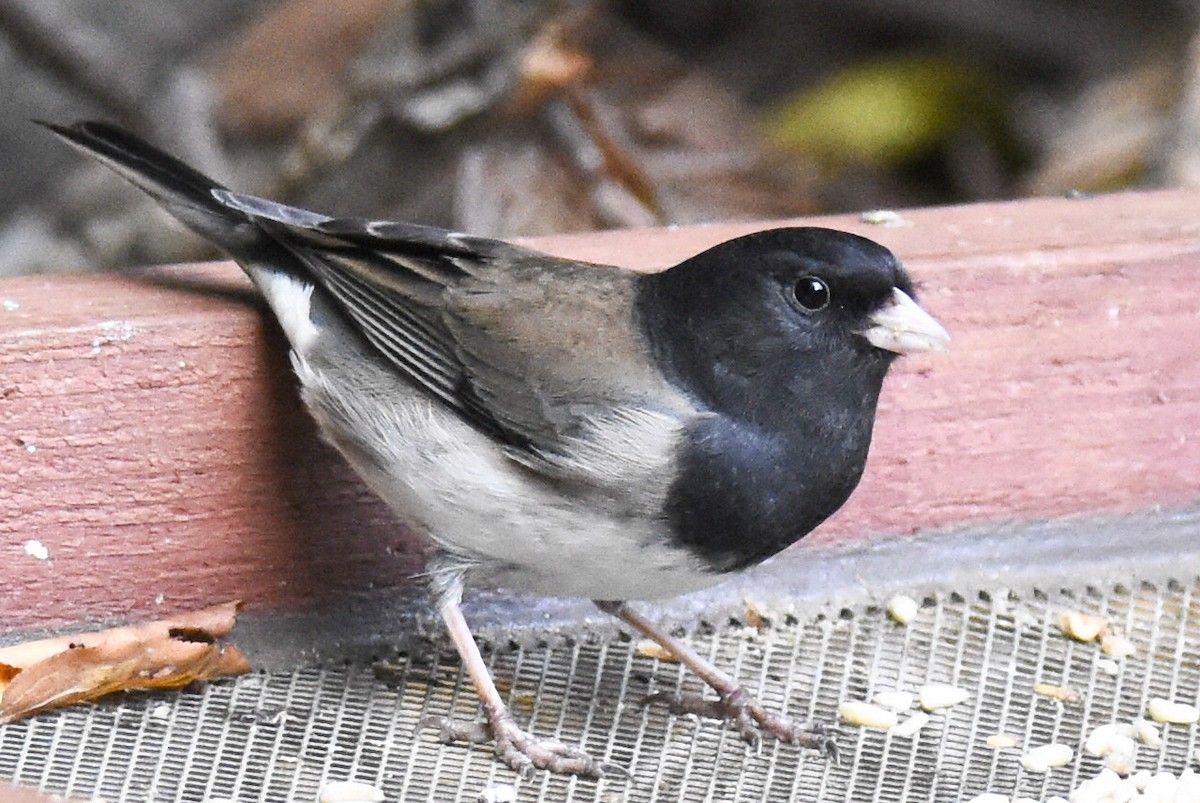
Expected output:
(903, 327)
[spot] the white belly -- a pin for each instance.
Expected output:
(457, 486)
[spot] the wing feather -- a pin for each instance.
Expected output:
(479, 325)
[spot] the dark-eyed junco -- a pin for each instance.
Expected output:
(567, 428)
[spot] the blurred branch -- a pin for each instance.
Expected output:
(72, 60)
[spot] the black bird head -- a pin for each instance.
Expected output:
(785, 336)
(761, 320)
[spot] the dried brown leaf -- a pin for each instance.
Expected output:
(290, 63)
(170, 653)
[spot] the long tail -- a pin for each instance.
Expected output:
(182, 190)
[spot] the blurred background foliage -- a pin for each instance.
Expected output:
(525, 117)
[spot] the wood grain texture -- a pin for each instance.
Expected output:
(151, 440)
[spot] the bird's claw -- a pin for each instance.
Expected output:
(751, 720)
(523, 752)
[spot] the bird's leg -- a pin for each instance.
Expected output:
(519, 749)
(736, 702)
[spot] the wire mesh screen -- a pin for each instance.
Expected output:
(281, 736)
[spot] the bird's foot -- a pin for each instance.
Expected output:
(522, 751)
(751, 720)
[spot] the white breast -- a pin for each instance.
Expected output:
(457, 486)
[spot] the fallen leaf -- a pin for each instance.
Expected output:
(170, 653)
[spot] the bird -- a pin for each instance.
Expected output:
(566, 428)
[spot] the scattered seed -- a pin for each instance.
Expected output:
(1082, 626)
(1163, 710)
(1108, 666)
(990, 797)
(1001, 741)
(1161, 787)
(1103, 787)
(903, 609)
(894, 700)
(500, 793)
(1060, 693)
(1047, 757)
(935, 696)
(1109, 738)
(1117, 645)
(1147, 733)
(652, 649)
(1122, 762)
(349, 792)
(867, 715)
(884, 217)
(912, 725)
(1189, 786)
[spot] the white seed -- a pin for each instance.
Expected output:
(1001, 741)
(1188, 790)
(349, 792)
(1108, 738)
(500, 793)
(652, 649)
(1082, 626)
(1141, 779)
(894, 700)
(1060, 693)
(884, 217)
(1056, 799)
(903, 609)
(935, 696)
(1047, 757)
(1123, 762)
(1128, 791)
(1025, 800)
(910, 726)
(1163, 710)
(1161, 787)
(1103, 787)
(1117, 645)
(867, 715)
(991, 797)
(1108, 666)
(1147, 732)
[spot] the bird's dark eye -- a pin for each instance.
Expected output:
(811, 294)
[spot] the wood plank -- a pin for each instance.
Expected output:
(153, 445)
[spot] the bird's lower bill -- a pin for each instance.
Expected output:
(904, 327)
